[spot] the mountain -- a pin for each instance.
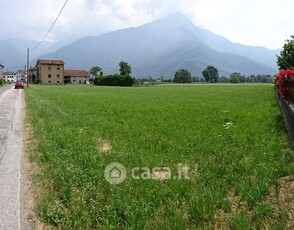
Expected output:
(13, 52)
(11, 56)
(256, 53)
(163, 46)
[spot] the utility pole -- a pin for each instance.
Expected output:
(28, 62)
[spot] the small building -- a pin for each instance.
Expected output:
(20, 75)
(76, 76)
(50, 71)
(9, 77)
(1, 70)
(33, 71)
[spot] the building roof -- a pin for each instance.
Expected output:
(76, 73)
(8, 73)
(33, 69)
(20, 71)
(50, 62)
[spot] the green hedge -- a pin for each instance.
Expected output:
(114, 80)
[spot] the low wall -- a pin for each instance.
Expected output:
(287, 109)
(291, 90)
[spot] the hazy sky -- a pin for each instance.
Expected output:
(253, 22)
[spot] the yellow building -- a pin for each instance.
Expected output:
(50, 71)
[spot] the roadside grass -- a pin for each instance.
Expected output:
(230, 136)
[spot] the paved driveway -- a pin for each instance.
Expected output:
(11, 104)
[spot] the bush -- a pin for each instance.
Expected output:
(114, 80)
(1, 81)
(183, 76)
(36, 81)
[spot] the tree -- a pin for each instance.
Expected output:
(242, 78)
(235, 77)
(125, 68)
(223, 79)
(252, 78)
(95, 70)
(286, 58)
(35, 79)
(210, 74)
(182, 76)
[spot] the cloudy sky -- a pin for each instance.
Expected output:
(253, 22)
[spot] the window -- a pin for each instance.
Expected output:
(58, 82)
(58, 76)
(49, 75)
(49, 68)
(58, 69)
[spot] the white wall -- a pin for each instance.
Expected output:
(9, 78)
(78, 80)
(1, 71)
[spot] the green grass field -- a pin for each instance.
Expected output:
(230, 136)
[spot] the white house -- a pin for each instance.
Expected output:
(1, 70)
(76, 76)
(20, 75)
(9, 77)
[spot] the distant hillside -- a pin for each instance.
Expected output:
(13, 52)
(11, 57)
(161, 47)
(255, 53)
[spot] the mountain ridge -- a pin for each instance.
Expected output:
(160, 47)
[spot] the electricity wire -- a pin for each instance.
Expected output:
(50, 27)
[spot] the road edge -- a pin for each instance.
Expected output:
(26, 208)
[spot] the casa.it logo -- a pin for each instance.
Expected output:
(115, 173)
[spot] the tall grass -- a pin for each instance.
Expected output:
(230, 136)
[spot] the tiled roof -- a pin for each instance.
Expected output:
(20, 71)
(8, 73)
(33, 69)
(50, 62)
(76, 73)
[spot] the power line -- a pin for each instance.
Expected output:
(50, 27)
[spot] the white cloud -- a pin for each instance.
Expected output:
(266, 23)
(263, 22)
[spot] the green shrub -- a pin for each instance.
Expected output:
(114, 80)
(36, 81)
(1, 81)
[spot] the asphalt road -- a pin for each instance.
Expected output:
(11, 115)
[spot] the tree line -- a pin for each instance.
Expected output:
(210, 74)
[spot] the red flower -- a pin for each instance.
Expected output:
(281, 81)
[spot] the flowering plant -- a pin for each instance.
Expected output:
(281, 81)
